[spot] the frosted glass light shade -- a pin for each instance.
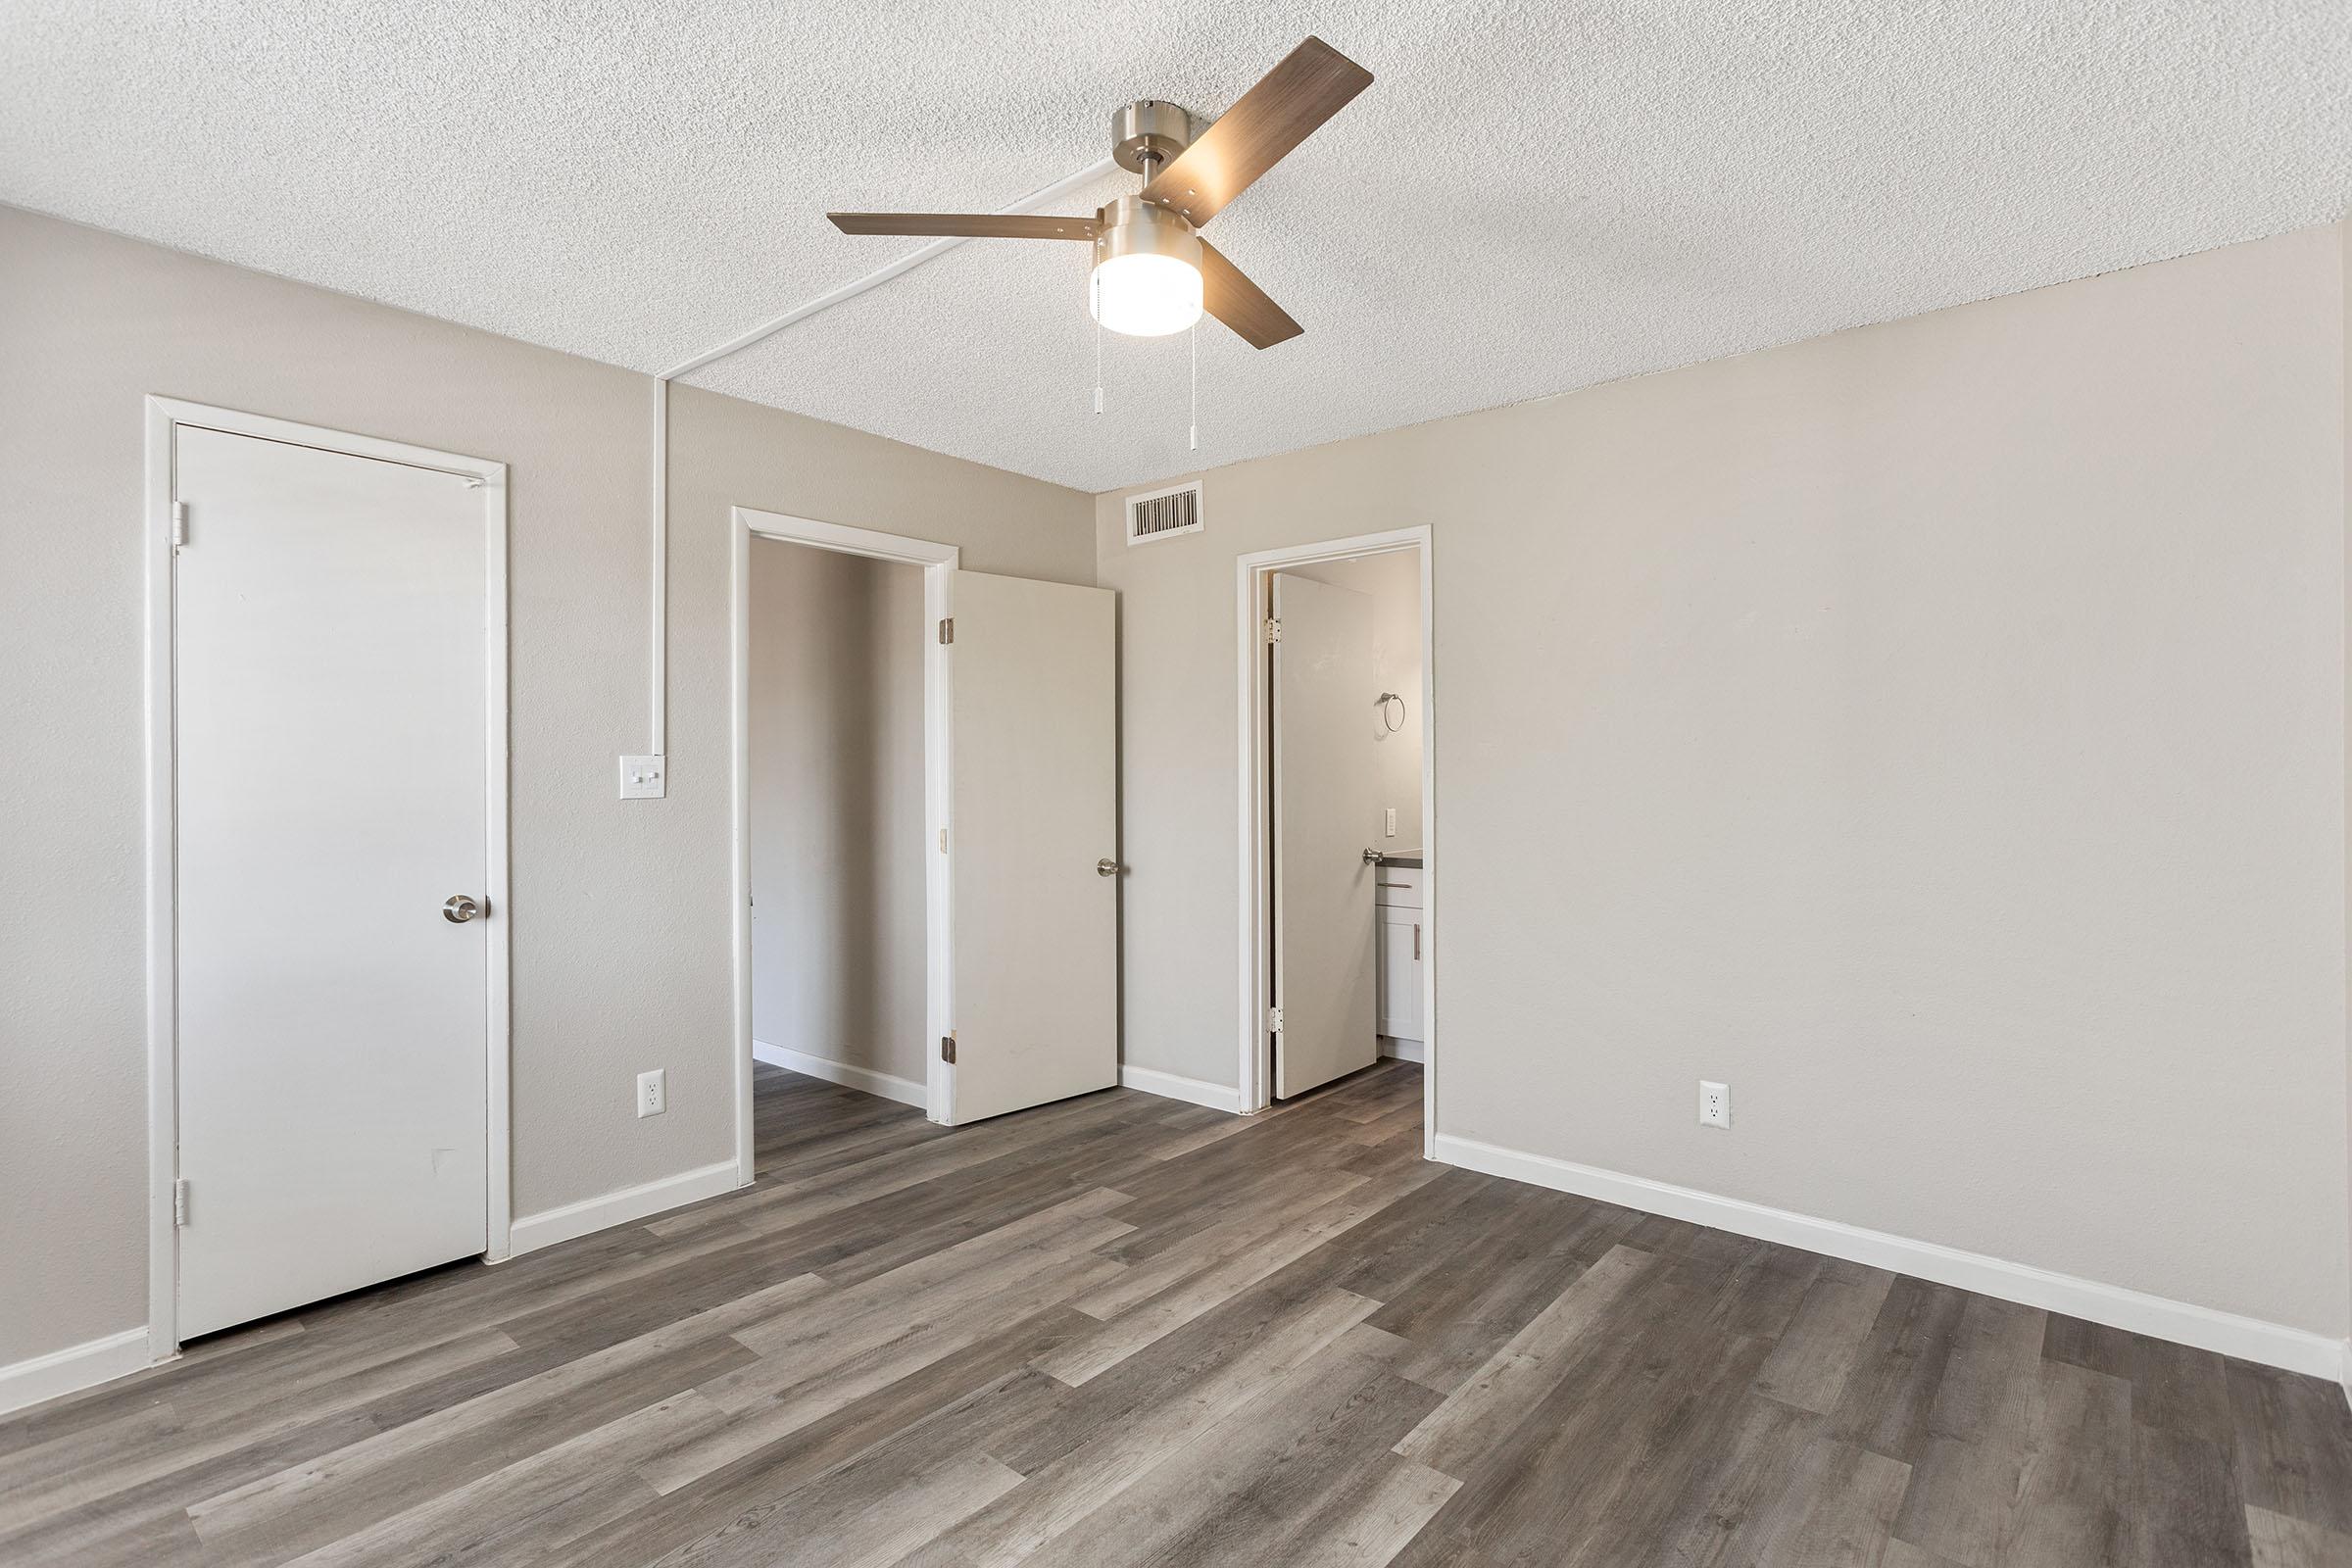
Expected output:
(1144, 295)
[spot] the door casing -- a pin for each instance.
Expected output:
(164, 415)
(1252, 574)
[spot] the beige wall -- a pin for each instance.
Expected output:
(1936, 731)
(1393, 582)
(836, 701)
(622, 925)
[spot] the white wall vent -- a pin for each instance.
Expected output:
(1163, 514)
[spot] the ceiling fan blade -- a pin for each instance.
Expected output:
(1227, 294)
(975, 225)
(1313, 82)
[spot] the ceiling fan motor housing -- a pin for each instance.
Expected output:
(1146, 133)
(1132, 227)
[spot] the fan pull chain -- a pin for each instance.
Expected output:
(1194, 336)
(1095, 286)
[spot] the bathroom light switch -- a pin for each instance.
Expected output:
(644, 778)
(1391, 821)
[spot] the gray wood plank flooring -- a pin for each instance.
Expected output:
(1125, 1331)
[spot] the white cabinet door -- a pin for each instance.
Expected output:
(1401, 973)
(1034, 737)
(330, 731)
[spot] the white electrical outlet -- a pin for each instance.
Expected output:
(1391, 821)
(653, 1092)
(642, 779)
(1714, 1104)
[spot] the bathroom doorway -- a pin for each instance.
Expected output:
(1338, 958)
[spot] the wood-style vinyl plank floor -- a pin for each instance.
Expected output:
(1126, 1331)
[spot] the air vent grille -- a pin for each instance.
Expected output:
(1163, 514)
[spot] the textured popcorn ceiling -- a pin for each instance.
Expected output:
(1530, 198)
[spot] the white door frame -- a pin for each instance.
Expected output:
(1253, 572)
(164, 417)
(938, 561)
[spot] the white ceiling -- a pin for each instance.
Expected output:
(1530, 198)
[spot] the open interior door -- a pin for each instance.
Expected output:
(1326, 796)
(1032, 844)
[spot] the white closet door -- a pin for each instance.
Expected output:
(330, 704)
(1033, 720)
(1326, 796)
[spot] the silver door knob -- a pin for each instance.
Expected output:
(458, 908)
(1107, 869)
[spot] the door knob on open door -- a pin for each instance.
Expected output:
(1107, 869)
(458, 908)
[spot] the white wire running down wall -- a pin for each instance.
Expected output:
(1044, 196)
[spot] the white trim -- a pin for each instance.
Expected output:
(623, 1207)
(2225, 1332)
(163, 860)
(1043, 196)
(72, 1369)
(938, 563)
(1397, 1050)
(1175, 1086)
(163, 416)
(657, 727)
(890, 1086)
(1256, 989)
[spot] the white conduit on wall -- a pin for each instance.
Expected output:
(1045, 196)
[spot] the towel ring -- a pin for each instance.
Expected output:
(1385, 698)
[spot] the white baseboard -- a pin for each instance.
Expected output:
(1403, 1049)
(624, 1208)
(72, 1369)
(1175, 1086)
(2226, 1333)
(906, 1090)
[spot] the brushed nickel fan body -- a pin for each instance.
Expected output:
(1148, 132)
(1132, 226)
(1187, 181)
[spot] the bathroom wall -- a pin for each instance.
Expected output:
(1393, 581)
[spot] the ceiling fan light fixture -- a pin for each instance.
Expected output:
(1147, 279)
(1146, 296)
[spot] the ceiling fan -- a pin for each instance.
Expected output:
(1154, 273)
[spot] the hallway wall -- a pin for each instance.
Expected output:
(836, 700)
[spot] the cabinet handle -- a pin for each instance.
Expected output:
(1416, 942)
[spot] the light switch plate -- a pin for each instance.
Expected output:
(644, 778)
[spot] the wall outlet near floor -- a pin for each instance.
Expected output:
(644, 778)
(653, 1092)
(1391, 821)
(1714, 1104)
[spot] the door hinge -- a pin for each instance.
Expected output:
(1273, 630)
(180, 523)
(179, 1202)
(947, 1048)
(943, 841)
(947, 630)
(1274, 1020)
